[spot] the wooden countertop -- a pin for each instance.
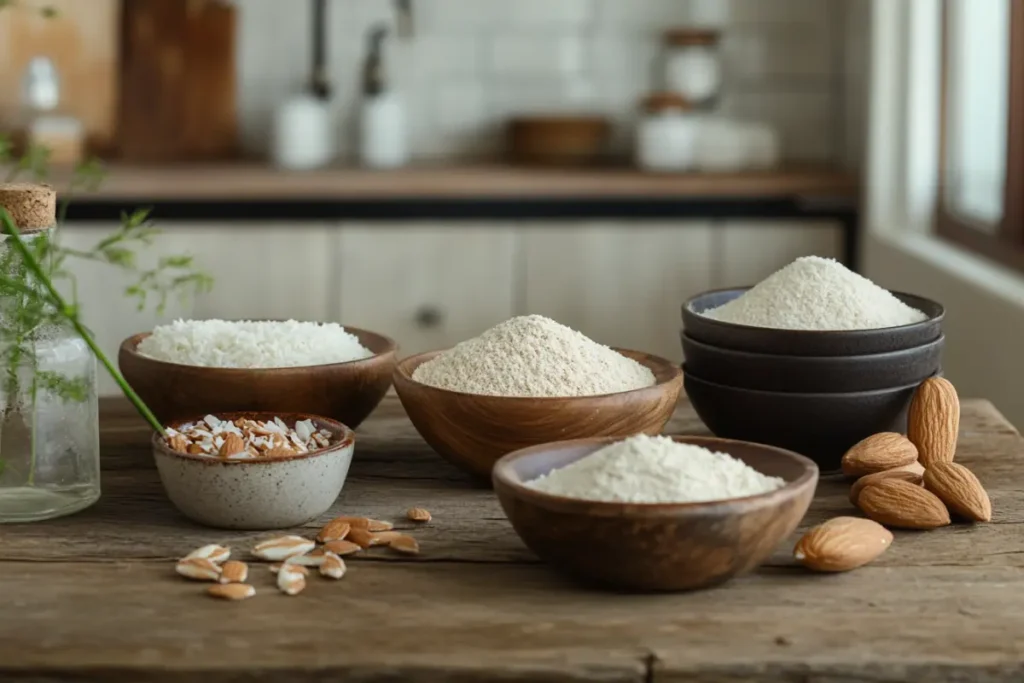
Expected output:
(94, 597)
(255, 181)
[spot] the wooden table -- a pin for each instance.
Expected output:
(94, 597)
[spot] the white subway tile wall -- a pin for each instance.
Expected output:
(470, 64)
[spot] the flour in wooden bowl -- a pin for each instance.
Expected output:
(814, 293)
(655, 469)
(533, 356)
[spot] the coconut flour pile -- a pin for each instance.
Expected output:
(249, 344)
(814, 293)
(655, 469)
(533, 356)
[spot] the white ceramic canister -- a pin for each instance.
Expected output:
(722, 146)
(666, 135)
(303, 134)
(382, 133)
(692, 65)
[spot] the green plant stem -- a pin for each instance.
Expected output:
(69, 313)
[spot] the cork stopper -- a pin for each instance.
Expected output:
(32, 207)
(691, 37)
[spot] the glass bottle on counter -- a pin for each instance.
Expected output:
(692, 65)
(49, 422)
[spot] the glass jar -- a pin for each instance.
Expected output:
(666, 134)
(49, 412)
(692, 65)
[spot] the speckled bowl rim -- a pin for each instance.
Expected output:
(674, 370)
(348, 440)
(501, 477)
(688, 306)
(131, 343)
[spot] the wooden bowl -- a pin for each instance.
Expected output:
(654, 547)
(267, 493)
(820, 426)
(812, 374)
(808, 342)
(558, 140)
(472, 431)
(346, 392)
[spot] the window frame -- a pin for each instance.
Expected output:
(1006, 244)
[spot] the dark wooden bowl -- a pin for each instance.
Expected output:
(808, 342)
(472, 431)
(654, 547)
(346, 392)
(810, 374)
(820, 426)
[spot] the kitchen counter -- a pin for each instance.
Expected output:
(94, 597)
(239, 182)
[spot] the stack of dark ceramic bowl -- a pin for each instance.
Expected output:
(816, 393)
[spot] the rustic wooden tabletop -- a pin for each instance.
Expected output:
(94, 597)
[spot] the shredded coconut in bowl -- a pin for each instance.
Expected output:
(655, 469)
(252, 344)
(814, 293)
(533, 356)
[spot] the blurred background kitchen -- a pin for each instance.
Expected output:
(428, 168)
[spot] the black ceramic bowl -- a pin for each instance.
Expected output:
(808, 342)
(812, 374)
(820, 426)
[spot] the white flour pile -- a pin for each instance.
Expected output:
(655, 469)
(533, 356)
(815, 293)
(252, 344)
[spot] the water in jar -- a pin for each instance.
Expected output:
(49, 431)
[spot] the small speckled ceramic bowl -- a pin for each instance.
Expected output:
(268, 493)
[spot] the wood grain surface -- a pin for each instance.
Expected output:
(248, 181)
(94, 597)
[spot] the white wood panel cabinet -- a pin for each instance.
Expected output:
(426, 286)
(259, 270)
(751, 251)
(621, 284)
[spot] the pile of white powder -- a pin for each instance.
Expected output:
(655, 469)
(815, 293)
(252, 344)
(533, 356)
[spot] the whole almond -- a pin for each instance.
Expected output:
(859, 485)
(335, 530)
(914, 468)
(842, 544)
(877, 453)
(232, 444)
(232, 591)
(933, 421)
(234, 572)
(960, 490)
(898, 503)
